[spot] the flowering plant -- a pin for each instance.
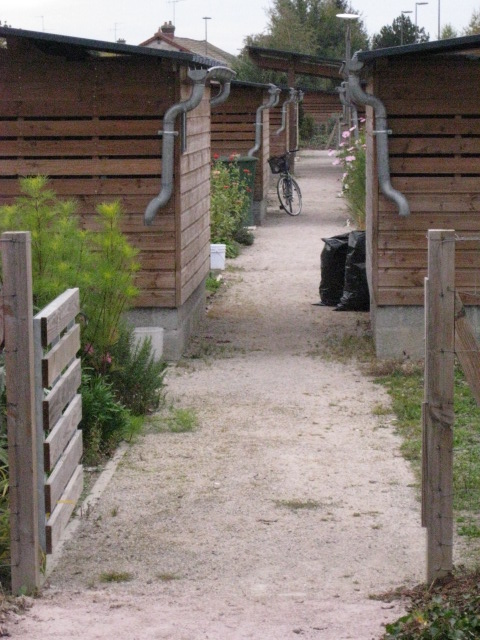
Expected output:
(352, 157)
(229, 199)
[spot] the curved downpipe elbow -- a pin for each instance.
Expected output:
(199, 77)
(359, 96)
(274, 92)
(224, 75)
(289, 100)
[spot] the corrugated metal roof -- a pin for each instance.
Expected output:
(58, 44)
(466, 44)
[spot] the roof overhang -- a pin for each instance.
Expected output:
(80, 48)
(468, 46)
(299, 63)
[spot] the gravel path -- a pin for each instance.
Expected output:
(287, 508)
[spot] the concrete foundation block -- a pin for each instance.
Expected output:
(178, 324)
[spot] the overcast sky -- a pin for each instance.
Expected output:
(231, 20)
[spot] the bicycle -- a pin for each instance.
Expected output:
(288, 191)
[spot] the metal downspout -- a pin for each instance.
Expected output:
(359, 96)
(291, 98)
(225, 76)
(274, 92)
(199, 77)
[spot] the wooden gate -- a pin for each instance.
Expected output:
(43, 413)
(447, 334)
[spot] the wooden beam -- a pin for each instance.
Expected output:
(21, 424)
(467, 348)
(438, 405)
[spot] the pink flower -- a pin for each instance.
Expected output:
(349, 158)
(336, 163)
(89, 349)
(346, 134)
(352, 128)
(361, 120)
(331, 152)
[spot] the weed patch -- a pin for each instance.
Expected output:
(174, 421)
(116, 576)
(297, 505)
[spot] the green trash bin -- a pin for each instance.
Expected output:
(247, 166)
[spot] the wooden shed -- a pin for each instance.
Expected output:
(233, 131)
(321, 105)
(88, 115)
(431, 93)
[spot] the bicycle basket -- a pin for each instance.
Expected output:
(278, 164)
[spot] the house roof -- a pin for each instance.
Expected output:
(79, 48)
(467, 45)
(301, 63)
(170, 42)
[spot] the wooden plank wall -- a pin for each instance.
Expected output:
(194, 210)
(92, 126)
(321, 105)
(233, 130)
(433, 107)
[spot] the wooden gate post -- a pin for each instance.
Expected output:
(21, 428)
(437, 481)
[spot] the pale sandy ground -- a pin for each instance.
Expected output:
(204, 521)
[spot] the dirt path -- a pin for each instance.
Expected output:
(286, 509)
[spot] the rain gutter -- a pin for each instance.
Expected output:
(274, 92)
(199, 78)
(359, 96)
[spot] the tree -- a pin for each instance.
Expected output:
(401, 31)
(330, 30)
(448, 31)
(473, 27)
(304, 26)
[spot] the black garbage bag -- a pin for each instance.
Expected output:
(355, 295)
(332, 269)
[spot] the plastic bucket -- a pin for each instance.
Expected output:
(217, 256)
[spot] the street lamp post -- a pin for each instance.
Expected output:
(206, 18)
(402, 24)
(417, 4)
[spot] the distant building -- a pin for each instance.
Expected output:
(166, 39)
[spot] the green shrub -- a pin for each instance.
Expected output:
(352, 157)
(137, 378)
(229, 201)
(102, 264)
(307, 128)
(105, 421)
(244, 236)
(441, 618)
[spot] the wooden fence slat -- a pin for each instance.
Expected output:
(467, 348)
(63, 471)
(61, 434)
(61, 395)
(21, 423)
(64, 509)
(56, 316)
(439, 362)
(55, 361)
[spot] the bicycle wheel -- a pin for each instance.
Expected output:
(289, 195)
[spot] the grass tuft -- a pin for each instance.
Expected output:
(116, 576)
